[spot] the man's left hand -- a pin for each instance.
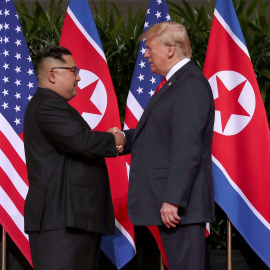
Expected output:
(169, 214)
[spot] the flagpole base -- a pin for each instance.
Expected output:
(4, 250)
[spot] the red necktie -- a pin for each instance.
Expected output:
(161, 84)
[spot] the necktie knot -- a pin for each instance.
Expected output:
(161, 84)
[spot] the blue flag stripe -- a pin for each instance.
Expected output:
(87, 22)
(243, 220)
(125, 250)
(228, 13)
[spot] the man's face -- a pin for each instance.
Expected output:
(67, 79)
(157, 55)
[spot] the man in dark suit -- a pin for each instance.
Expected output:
(68, 205)
(170, 182)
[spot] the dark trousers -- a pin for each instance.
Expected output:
(70, 249)
(184, 246)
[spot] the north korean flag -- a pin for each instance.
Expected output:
(241, 143)
(97, 103)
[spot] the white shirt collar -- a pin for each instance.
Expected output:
(177, 67)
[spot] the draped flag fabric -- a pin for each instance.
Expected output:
(143, 86)
(241, 143)
(96, 101)
(17, 85)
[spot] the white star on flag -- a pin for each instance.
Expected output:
(158, 14)
(5, 79)
(140, 90)
(153, 80)
(151, 93)
(18, 56)
(5, 66)
(142, 64)
(6, 40)
(18, 42)
(5, 105)
(168, 17)
(143, 51)
(17, 108)
(17, 82)
(18, 29)
(6, 13)
(30, 72)
(17, 95)
(30, 85)
(5, 92)
(141, 77)
(6, 53)
(17, 69)
(17, 121)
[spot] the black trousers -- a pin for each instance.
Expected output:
(184, 246)
(69, 249)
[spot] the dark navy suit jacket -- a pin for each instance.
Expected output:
(171, 152)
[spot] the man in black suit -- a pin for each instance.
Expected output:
(68, 205)
(170, 182)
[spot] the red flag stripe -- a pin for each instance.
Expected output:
(12, 155)
(11, 191)
(15, 233)
(130, 119)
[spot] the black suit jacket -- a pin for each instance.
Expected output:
(171, 152)
(68, 179)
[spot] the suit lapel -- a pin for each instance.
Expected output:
(151, 104)
(159, 95)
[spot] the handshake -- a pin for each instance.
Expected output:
(119, 137)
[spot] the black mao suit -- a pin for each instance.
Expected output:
(68, 179)
(171, 152)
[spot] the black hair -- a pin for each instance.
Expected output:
(55, 52)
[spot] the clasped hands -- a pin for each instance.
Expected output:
(120, 139)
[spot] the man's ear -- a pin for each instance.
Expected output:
(51, 76)
(171, 50)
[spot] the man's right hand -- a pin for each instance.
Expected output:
(120, 139)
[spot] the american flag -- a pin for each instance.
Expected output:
(17, 85)
(143, 87)
(144, 82)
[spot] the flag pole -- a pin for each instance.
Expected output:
(161, 263)
(229, 244)
(4, 251)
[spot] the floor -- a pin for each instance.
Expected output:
(148, 257)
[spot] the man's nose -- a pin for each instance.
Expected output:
(146, 54)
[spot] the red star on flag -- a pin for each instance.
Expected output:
(227, 102)
(82, 101)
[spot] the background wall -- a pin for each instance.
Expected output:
(123, 5)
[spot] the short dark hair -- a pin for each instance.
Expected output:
(55, 52)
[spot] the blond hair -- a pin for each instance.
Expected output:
(171, 33)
